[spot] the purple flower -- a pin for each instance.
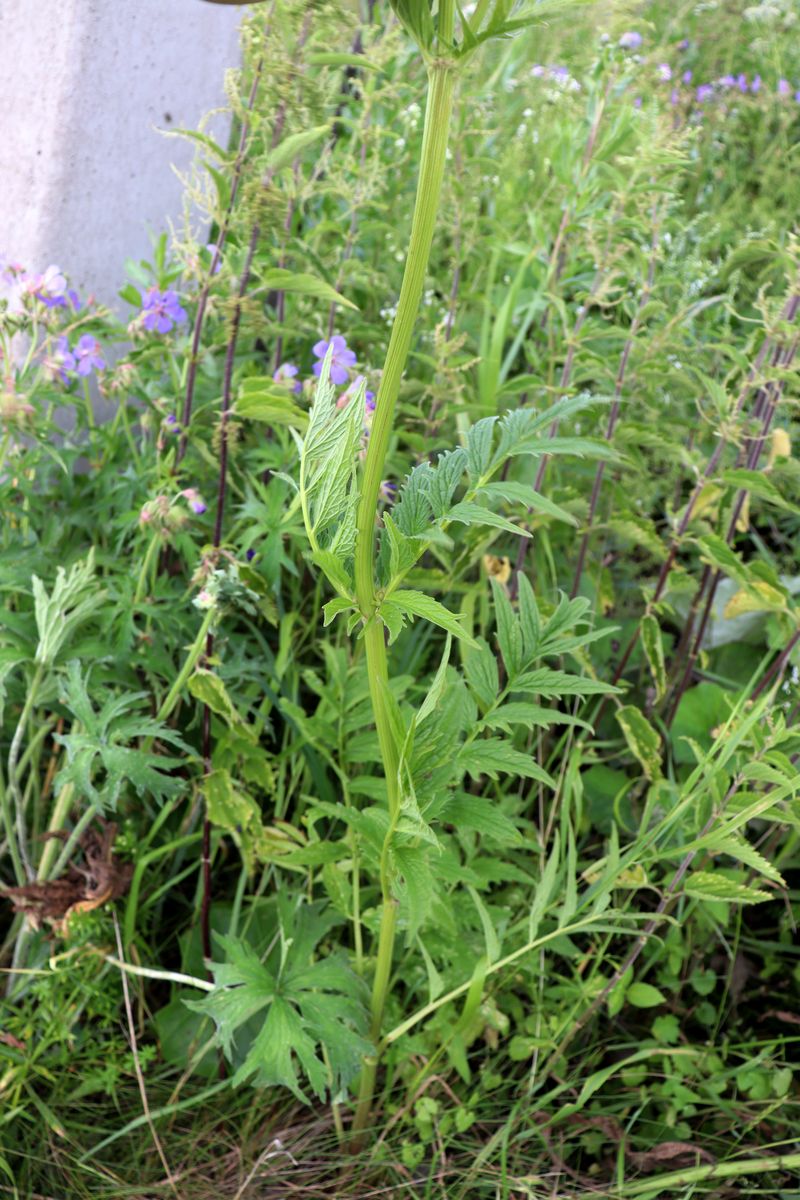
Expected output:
(664, 72)
(537, 70)
(683, 45)
(341, 359)
(704, 92)
(285, 374)
(194, 500)
(755, 86)
(674, 96)
(630, 41)
(51, 287)
(162, 310)
(784, 87)
(687, 77)
(87, 355)
(250, 555)
(387, 491)
(170, 424)
(60, 361)
(727, 81)
(797, 97)
(637, 103)
(741, 82)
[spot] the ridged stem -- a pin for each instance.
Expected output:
(441, 83)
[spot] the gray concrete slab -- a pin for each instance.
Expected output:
(85, 176)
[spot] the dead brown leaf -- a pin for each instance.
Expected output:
(85, 885)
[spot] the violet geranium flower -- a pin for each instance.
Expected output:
(285, 374)
(161, 311)
(60, 361)
(704, 92)
(194, 500)
(87, 356)
(342, 359)
(51, 288)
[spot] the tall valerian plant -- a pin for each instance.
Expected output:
(445, 49)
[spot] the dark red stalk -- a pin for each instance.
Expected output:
(615, 406)
(788, 314)
(776, 669)
(563, 386)
(766, 404)
(227, 405)
(555, 269)
(202, 303)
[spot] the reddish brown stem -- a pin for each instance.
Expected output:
(202, 303)
(615, 406)
(788, 314)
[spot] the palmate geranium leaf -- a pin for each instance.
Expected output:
(104, 754)
(308, 1007)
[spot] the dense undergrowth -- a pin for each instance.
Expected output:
(585, 575)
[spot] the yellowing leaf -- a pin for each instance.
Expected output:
(643, 740)
(743, 519)
(497, 568)
(780, 446)
(758, 597)
(707, 885)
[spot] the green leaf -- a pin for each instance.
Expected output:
(532, 716)
(738, 848)
(717, 553)
(469, 513)
(509, 634)
(291, 148)
(106, 744)
(523, 493)
(545, 682)
(418, 891)
(209, 689)
(654, 653)
(278, 279)
(335, 572)
(490, 936)
(258, 401)
(403, 551)
(483, 816)
(644, 995)
(710, 885)
(333, 607)
(494, 756)
(437, 686)
(480, 668)
(304, 1004)
(417, 604)
(758, 484)
(643, 740)
(331, 58)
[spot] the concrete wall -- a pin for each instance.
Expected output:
(84, 174)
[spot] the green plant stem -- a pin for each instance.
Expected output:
(57, 820)
(156, 542)
(441, 84)
(196, 649)
(13, 781)
(725, 1170)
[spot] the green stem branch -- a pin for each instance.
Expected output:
(432, 164)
